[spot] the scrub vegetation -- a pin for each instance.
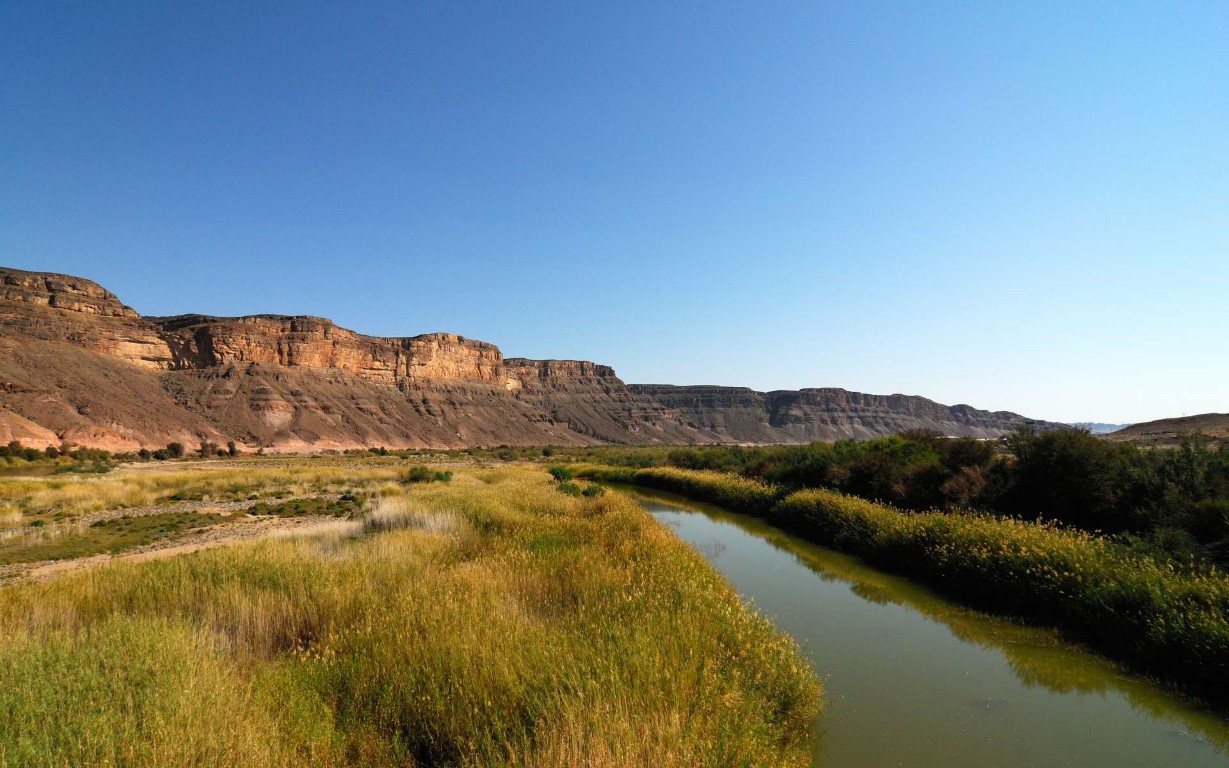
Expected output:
(490, 620)
(64, 498)
(1170, 502)
(1164, 619)
(111, 535)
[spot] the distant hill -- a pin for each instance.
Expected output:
(77, 365)
(1167, 431)
(1099, 428)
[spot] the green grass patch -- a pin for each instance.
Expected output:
(84, 468)
(114, 535)
(348, 505)
(551, 544)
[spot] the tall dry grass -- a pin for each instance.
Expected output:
(491, 621)
(73, 495)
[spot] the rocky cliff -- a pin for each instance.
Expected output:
(198, 341)
(744, 415)
(78, 365)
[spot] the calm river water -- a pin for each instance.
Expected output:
(914, 680)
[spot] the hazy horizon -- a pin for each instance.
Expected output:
(1020, 209)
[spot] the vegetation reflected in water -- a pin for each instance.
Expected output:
(979, 691)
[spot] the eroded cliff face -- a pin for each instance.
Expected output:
(49, 307)
(789, 416)
(79, 365)
(197, 342)
(75, 294)
(76, 364)
(592, 401)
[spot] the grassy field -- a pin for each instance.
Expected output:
(73, 514)
(111, 536)
(491, 620)
(1163, 620)
(60, 498)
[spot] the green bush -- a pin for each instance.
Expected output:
(418, 474)
(424, 474)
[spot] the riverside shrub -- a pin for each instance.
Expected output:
(727, 490)
(1159, 618)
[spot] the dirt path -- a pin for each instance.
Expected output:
(242, 529)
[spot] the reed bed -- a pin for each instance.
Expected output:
(1160, 619)
(489, 621)
(727, 490)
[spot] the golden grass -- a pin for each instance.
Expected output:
(389, 514)
(36, 510)
(68, 496)
(494, 621)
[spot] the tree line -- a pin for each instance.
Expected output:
(1174, 501)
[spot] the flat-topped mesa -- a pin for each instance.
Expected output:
(837, 399)
(830, 413)
(65, 292)
(199, 341)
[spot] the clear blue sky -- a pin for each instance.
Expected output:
(1020, 207)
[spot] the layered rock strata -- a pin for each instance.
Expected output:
(78, 365)
(744, 415)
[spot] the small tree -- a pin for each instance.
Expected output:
(231, 448)
(174, 450)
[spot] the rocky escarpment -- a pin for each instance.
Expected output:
(44, 289)
(78, 365)
(49, 307)
(199, 341)
(579, 394)
(744, 415)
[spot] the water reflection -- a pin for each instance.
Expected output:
(1000, 687)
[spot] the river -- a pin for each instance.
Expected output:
(912, 679)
